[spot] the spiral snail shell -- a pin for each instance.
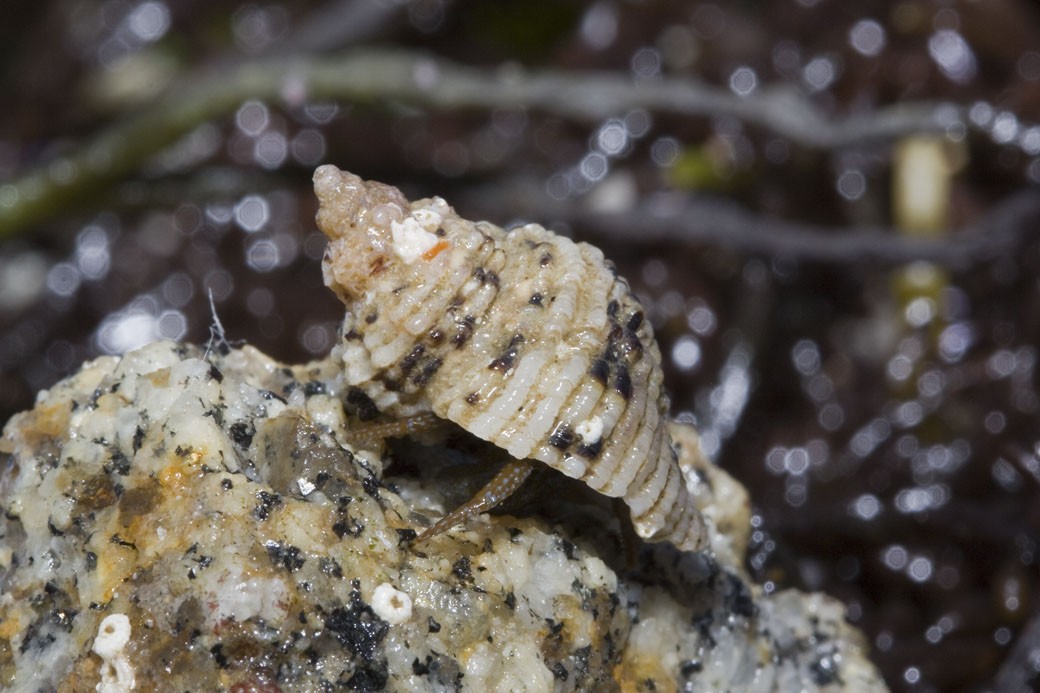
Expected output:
(523, 338)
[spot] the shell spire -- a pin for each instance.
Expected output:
(525, 339)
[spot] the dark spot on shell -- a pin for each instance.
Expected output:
(436, 336)
(591, 450)
(463, 331)
(612, 309)
(486, 276)
(428, 371)
(351, 336)
(473, 398)
(623, 382)
(439, 232)
(409, 362)
(371, 318)
(364, 406)
(600, 370)
(562, 437)
(632, 345)
(503, 363)
(545, 259)
(535, 300)
(508, 359)
(635, 321)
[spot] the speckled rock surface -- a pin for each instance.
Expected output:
(182, 519)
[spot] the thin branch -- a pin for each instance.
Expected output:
(341, 23)
(423, 81)
(675, 218)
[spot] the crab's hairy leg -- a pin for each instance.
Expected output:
(504, 484)
(373, 433)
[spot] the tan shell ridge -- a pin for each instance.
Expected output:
(525, 339)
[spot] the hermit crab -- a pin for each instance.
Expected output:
(523, 338)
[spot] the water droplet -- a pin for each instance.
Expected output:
(262, 255)
(743, 81)
(867, 37)
(646, 63)
(252, 118)
(252, 213)
(851, 184)
(953, 55)
(599, 25)
(686, 353)
(819, 73)
(149, 21)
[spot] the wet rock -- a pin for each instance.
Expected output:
(216, 507)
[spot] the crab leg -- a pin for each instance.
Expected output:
(504, 484)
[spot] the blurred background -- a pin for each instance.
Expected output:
(830, 210)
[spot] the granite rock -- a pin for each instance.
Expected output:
(183, 518)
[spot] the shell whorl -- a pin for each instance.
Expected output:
(525, 339)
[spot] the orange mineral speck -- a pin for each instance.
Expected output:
(435, 250)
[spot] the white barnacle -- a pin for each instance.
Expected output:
(117, 675)
(411, 240)
(391, 604)
(590, 429)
